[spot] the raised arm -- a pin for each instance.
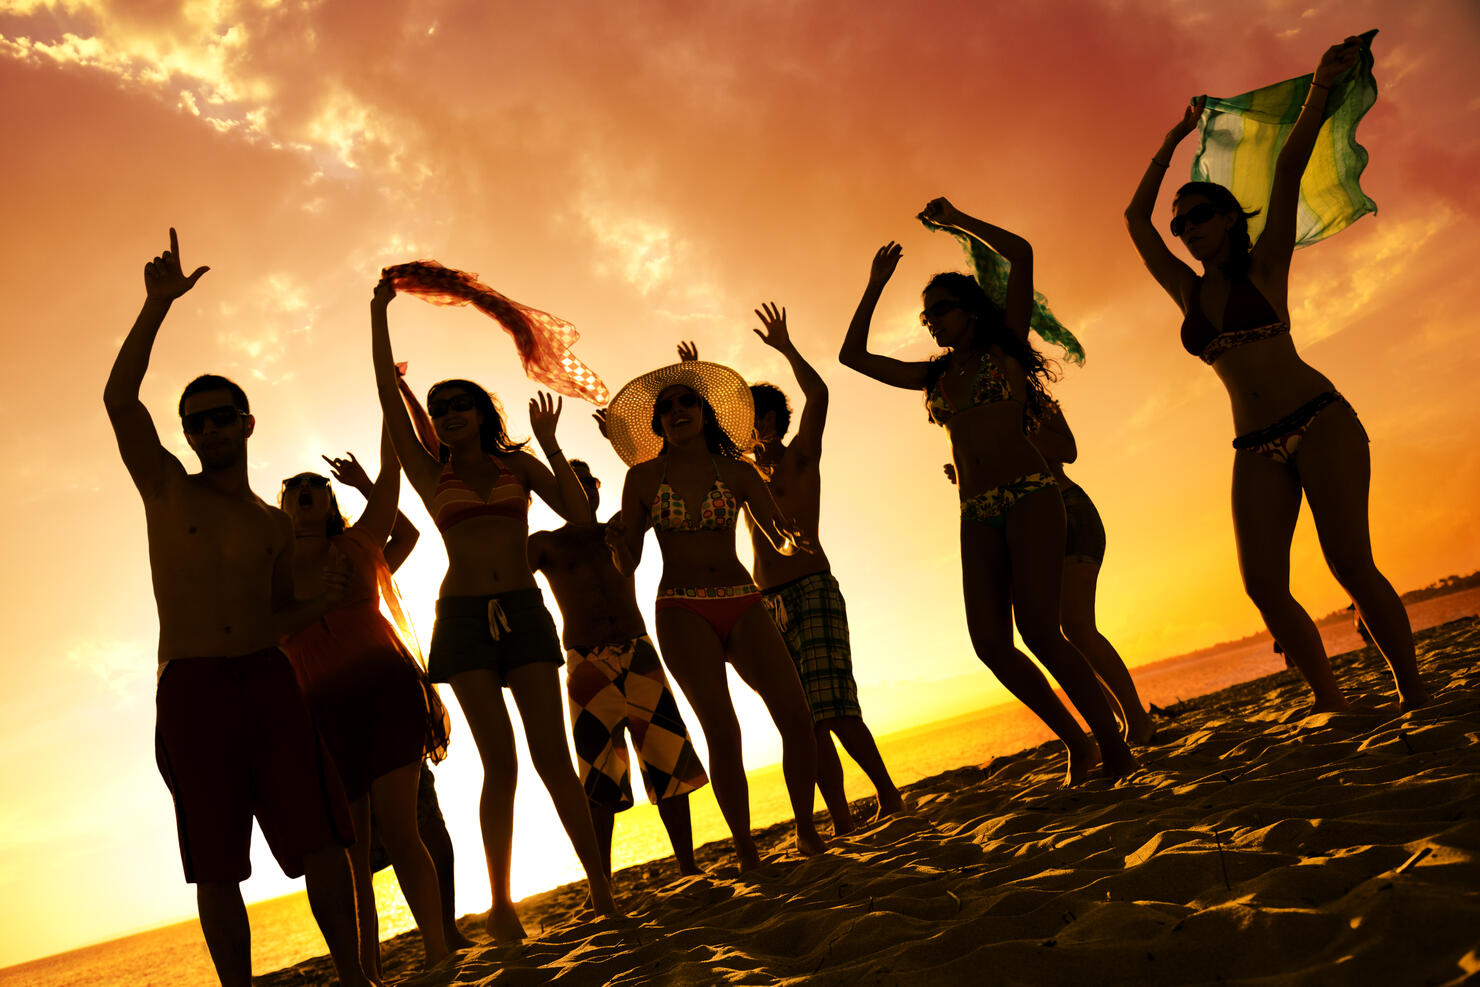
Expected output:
(558, 485)
(1272, 253)
(855, 353)
(626, 529)
(814, 388)
(422, 468)
(1174, 276)
(1018, 305)
(147, 461)
(348, 472)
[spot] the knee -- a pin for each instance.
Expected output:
(1268, 593)
(1081, 633)
(1355, 573)
(1041, 636)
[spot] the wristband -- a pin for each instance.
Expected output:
(1161, 164)
(1317, 85)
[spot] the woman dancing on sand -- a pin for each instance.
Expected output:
(370, 699)
(493, 631)
(1012, 516)
(680, 428)
(1296, 434)
(1084, 553)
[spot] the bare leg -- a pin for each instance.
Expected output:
(986, 578)
(830, 782)
(223, 922)
(331, 897)
(537, 691)
(675, 815)
(1335, 469)
(1266, 505)
(1077, 615)
(394, 795)
(365, 912)
(760, 657)
(434, 836)
(858, 741)
(696, 661)
(603, 821)
(481, 697)
(1035, 536)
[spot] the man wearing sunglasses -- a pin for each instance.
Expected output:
(232, 737)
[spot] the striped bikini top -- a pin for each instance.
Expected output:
(454, 501)
(1247, 317)
(989, 386)
(719, 511)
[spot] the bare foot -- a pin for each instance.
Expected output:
(750, 858)
(601, 899)
(1082, 757)
(1411, 699)
(1117, 762)
(889, 804)
(455, 939)
(503, 925)
(809, 843)
(843, 825)
(690, 868)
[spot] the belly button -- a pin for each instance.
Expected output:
(190, 530)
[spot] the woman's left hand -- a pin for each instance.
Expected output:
(1337, 61)
(348, 471)
(544, 415)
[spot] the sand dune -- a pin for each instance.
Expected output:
(1256, 846)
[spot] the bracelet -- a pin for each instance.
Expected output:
(1317, 85)
(553, 452)
(1162, 164)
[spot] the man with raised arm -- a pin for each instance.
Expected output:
(800, 589)
(615, 682)
(233, 736)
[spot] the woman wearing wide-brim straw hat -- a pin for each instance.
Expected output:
(681, 429)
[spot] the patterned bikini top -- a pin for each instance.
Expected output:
(990, 386)
(719, 511)
(1247, 317)
(454, 501)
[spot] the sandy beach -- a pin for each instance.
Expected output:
(1257, 845)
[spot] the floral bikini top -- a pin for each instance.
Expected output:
(719, 511)
(1247, 317)
(454, 501)
(990, 386)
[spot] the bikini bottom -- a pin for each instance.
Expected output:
(720, 606)
(1278, 442)
(992, 506)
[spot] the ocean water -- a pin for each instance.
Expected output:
(283, 931)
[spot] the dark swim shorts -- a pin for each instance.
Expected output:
(495, 633)
(1085, 541)
(234, 739)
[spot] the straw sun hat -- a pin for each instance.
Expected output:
(629, 417)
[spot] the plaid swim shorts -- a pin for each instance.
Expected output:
(814, 621)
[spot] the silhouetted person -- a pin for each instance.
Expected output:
(1012, 516)
(371, 700)
(1295, 434)
(680, 429)
(233, 734)
(615, 685)
(493, 630)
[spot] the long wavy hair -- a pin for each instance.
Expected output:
(492, 435)
(715, 438)
(334, 520)
(1224, 201)
(991, 328)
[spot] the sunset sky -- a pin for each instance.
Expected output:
(654, 172)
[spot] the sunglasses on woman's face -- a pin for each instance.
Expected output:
(683, 401)
(463, 402)
(939, 311)
(1196, 216)
(311, 480)
(195, 422)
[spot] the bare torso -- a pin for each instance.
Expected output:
(694, 558)
(988, 445)
(796, 484)
(598, 605)
(212, 558)
(485, 555)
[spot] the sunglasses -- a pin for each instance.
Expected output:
(939, 311)
(195, 422)
(463, 402)
(1195, 216)
(683, 401)
(311, 480)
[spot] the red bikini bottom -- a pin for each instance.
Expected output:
(720, 606)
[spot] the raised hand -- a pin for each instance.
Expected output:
(774, 319)
(687, 350)
(1188, 123)
(164, 279)
(951, 472)
(942, 213)
(886, 259)
(600, 415)
(1337, 60)
(348, 471)
(544, 415)
(385, 290)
